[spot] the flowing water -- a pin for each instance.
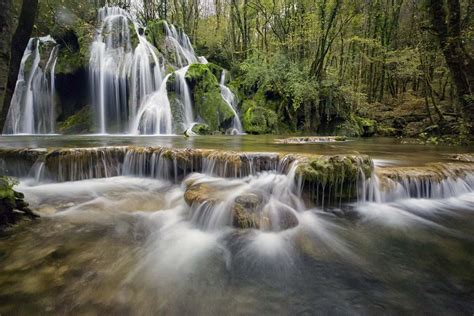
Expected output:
(129, 237)
(229, 98)
(32, 108)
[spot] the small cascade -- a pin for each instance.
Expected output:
(229, 98)
(32, 108)
(154, 115)
(324, 181)
(182, 45)
(437, 181)
(185, 96)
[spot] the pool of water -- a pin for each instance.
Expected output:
(390, 150)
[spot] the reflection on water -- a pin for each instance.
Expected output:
(129, 245)
(386, 150)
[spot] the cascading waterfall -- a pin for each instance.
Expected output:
(32, 108)
(183, 90)
(184, 50)
(119, 73)
(154, 115)
(128, 89)
(229, 98)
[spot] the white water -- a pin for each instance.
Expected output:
(184, 51)
(32, 108)
(183, 90)
(229, 98)
(128, 90)
(154, 115)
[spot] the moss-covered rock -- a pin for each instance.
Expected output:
(11, 200)
(156, 33)
(334, 179)
(79, 123)
(207, 99)
(259, 120)
(201, 129)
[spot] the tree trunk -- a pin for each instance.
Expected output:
(459, 62)
(6, 28)
(20, 39)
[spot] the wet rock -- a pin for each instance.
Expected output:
(333, 179)
(201, 129)
(200, 193)
(12, 204)
(247, 211)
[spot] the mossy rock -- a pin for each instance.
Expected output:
(334, 178)
(259, 120)
(201, 129)
(367, 126)
(207, 99)
(75, 41)
(79, 123)
(156, 33)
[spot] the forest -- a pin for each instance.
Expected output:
(353, 68)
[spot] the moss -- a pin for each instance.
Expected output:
(201, 129)
(356, 126)
(155, 32)
(11, 200)
(207, 99)
(259, 120)
(79, 123)
(383, 130)
(336, 176)
(216, 70)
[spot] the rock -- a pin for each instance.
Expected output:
(11, 201)
(246, 211)
(249, 211)
(199, 193)
(79, 123)
(208, 102)
(334, 179)
(201, 129)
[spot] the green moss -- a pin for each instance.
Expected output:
(155, 32)
(207, 99)
(259, 120)
(79, 123)
(337, 176)
(201, 129)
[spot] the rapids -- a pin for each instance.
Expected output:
(160, 229)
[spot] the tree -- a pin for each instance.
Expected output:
(6, 28)
(447, 24)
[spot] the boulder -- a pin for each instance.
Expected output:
(206, 95)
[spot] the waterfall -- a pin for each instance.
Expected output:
(183, 90)
(183, 49)
(32, 108)
(154, 115)
(118, 73)
(229, 98)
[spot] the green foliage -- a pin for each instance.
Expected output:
(259, 120)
